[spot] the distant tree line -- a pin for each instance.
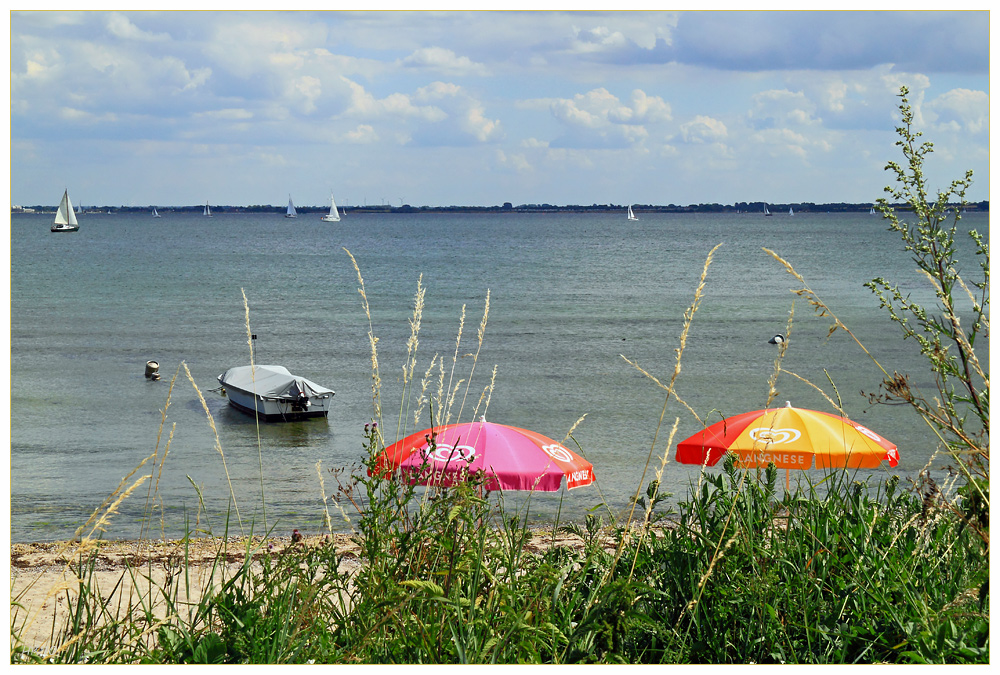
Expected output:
(508, 207)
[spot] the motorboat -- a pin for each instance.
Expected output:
(273, 394)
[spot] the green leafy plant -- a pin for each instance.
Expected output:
(959, 410)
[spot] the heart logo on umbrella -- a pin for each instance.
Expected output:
(558, 452)
(769, 435)
(444, 453)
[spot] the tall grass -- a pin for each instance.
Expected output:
(833, 571)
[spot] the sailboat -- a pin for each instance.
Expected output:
(766, 212)
(208, 211)
(631, 216)
(290, 212)
(790, 212)
(65, 217)
(334, 215)
(155, 214)
(872, 212)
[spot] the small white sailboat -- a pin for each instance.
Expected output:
(208, 211)
(766, 212)
(872, 212)
(790, 212)
(65, 220)
(290, 211)
(631, 216)
(334, 215)
(155, 214)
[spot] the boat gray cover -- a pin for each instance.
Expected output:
(271, 382)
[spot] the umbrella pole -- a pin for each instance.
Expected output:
(788, 479)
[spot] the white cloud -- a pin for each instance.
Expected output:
(781, 107)
(516, 161)
(438, 90)
(362, 134)
(307, 89)
(120, 26)
(478, 125)
(469, 113)
(444, 61)
(598, 118)
(961, 109)
(648, 109)
(365, 105)
(777, 142)
(437, 114)
(703, 129)
(597, 39)
(592, 110)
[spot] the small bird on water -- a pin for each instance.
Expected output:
(776, 340)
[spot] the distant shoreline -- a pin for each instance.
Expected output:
(740, 208)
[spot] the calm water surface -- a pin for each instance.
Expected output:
(570, 295)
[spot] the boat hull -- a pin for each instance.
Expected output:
(330, 219)
(65, 228)
(278, 410)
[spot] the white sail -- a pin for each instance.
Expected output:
(155, 214)
(790, 212)
(65, 215)
(766, 212)
(290, 211)
(208, 211)
(334, 215)
(65, 220)
(631, 216)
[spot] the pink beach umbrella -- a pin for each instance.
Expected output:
(510, 458)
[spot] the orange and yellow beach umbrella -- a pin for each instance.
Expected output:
(790, 438)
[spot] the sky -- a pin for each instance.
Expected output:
(481, 108)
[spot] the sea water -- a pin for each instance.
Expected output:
(576, 302)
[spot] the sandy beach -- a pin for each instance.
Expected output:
(42, 577)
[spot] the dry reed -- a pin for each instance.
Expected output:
(373, 344)
(218, 445)
(253, 378)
